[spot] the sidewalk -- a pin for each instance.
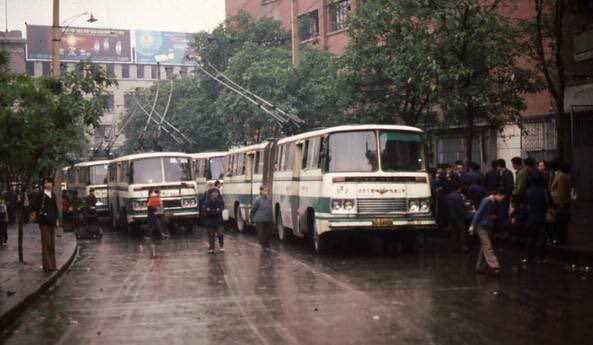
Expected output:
(21, 284)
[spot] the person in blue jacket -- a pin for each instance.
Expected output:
(492, 178)
(473, 176)
(537, 206)
(483, 225)
(213, 207)
(455, 201)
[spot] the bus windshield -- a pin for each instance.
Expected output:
(147, 170)
(352, 152)
(177, 169)
(401, 151)
(98, 174)
(217, 169)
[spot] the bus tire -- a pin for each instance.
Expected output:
(284, 234)
(320, 244)
(239, 221)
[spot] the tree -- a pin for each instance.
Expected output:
(457, 57)
(43, 121)
(390, 63)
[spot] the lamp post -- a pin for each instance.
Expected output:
(57, 35)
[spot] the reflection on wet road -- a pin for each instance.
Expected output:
(126, 290)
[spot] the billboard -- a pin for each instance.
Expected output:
(167, 48)
(101, 45)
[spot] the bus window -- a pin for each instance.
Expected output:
(146, 171)
(401, 151)
(280, 160)
(305, 155)
(217, 167)
(261, 162)
(313, 154)
(84, 176)
(256, 168)
(112, 172)
(352, 152)
(98, 174)
(289, 157)
(241, 164)
(176, 169)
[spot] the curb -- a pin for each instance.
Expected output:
(10, 315)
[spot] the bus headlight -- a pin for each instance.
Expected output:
(189, 202)
(419, 205)
(139, 205)
(343, 206)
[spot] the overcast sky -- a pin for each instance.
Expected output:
(163, 15)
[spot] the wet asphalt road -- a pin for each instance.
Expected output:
(127, 290)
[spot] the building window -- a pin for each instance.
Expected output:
(183, 72)
(110, 70)
(45, 69)
(128, 100)
(140, 71)
(583, 45)
(125, 71)
(30, 66)
(169, 72)
(338, 14)
(110, 102)
(309, 25)
(154, 72)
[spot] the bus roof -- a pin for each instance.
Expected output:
(240, 149)
(151, 155)
(347, 128)
(91, 163)
(209, 154)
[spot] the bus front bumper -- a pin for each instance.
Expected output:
(170, 215)
(378, 223)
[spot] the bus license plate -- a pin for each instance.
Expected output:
(381, 223)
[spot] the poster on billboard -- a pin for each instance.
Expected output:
(167, 48)
(77, 43)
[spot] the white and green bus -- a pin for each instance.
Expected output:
(91, 175)
(364, 178)
(208, 167)
(130, 178)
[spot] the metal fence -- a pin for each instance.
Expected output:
(538, 138)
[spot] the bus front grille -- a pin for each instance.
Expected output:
(392, 205)
(172, 203)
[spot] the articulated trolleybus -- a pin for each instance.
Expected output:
(91, 175)
(368, 178)
(130, 178)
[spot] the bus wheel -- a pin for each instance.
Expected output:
(240, 222)
(283, 233)
(320, 244)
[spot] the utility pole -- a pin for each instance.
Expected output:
(57, 37)
(294, 24)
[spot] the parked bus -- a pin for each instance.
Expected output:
(87, 176)
(208, 167)
(130, 178)
(365, 178)
(246, 171)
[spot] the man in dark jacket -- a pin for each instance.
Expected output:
(262, 215)
(537, 207)
(213, 207)
(506, 185)
(46, 209)
(492, 179)
(473, 176)
(457, 217)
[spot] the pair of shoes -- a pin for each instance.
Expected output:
(221, 250)
(210, 251)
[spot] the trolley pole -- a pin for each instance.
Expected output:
(57, 37)
(295, 32)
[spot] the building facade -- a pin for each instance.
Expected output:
(15, 44)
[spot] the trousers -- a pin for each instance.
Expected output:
(264, 233)
(48, 247)
(486, 253)
(212, 234)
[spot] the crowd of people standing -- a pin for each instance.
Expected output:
(532, 205)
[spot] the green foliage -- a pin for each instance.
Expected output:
(43, 120)
(459, 57)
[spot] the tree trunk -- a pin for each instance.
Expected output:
(469, 136)
(19, 214)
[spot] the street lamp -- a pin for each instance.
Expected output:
(57, 35)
